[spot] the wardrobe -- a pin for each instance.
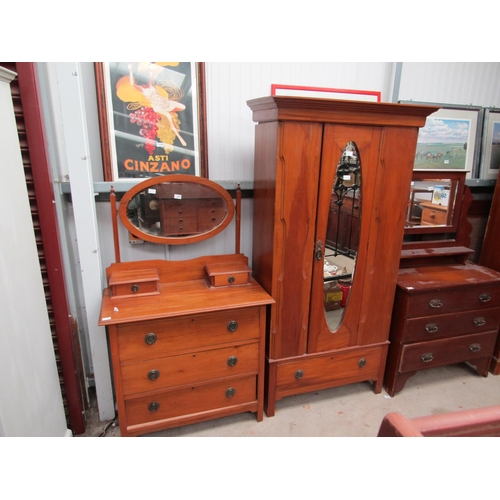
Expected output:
(312, 155)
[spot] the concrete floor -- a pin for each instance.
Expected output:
(349, 411)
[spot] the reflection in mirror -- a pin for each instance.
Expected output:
(176, 209)
(342, 235)
(431, 203)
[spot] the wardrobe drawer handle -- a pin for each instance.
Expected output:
(475, 347)
(232, 326)
(427, 358)
(485, 297)
(479, 321)
(431, 328)
(153, 375)
(436, 303)
(150, 338)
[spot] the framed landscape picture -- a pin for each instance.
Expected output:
(152, 119)
(490, 151)
(450, 139)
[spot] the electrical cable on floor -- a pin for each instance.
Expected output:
(107, 426)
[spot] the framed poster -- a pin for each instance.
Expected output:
(152, 119)
(490, 151)
(450, 139)
(326, 93)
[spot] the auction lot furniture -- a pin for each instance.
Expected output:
(310, 155)
(481, 422)
(186, 337)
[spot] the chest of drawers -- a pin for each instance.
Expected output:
(191, 352)
(442, 315)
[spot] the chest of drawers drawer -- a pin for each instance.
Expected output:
(442, 301)
(451, 325)
(191, 368)
(190, 401)
(446, 351)
(153, 339)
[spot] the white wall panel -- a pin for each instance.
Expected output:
(467, 83)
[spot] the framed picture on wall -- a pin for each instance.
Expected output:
(450, 139)
(152, 119)
(490, 151)
(326, 93)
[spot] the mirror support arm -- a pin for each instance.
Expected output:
(114, 219)
(238, 218)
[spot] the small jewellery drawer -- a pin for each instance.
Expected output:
(153, 339)
(451, 325)
(191, 368)
(448, 301)
(446, 351)
(191, 400)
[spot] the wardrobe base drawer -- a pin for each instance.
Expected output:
(191, 400)
(315, 372)
(423, 355)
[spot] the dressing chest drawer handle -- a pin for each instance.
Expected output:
(362, 363)
(232, 326)
(475, 347)
(230, 279)
(299, 374)
(230, 392)
(436, 303)
(485, 297)
(153, 375)
(134, 288)
(150, 338)
(232, 360)
(427, 358)
(431, 328)
(154, 406)
(479, 321)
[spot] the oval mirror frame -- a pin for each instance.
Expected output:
(169, 179)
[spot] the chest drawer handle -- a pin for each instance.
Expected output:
(436, 303)
(135, 288)
(299, 374)
(479, 321)
(232, 360)
(154, 406)
(230, 279)
(427, 358)
(232, 326)
(475, 347)
(150, 338)
(230, 392)
(362, 363)
(431, 328)
(485, 297)
(153, 375)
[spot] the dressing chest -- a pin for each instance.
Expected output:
(446, 308)
(186, 337)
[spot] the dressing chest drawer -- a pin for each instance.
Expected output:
(442, 315)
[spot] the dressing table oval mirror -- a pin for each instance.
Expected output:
(176, 210)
